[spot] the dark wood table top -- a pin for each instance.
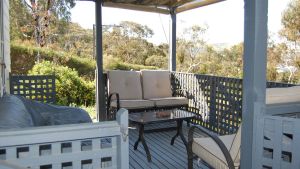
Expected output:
(160, 115)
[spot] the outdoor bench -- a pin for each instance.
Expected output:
(142, 90)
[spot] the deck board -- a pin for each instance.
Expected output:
(163, 154)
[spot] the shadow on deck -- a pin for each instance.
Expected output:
(163, 154)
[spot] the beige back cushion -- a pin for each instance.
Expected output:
(236, 146)
(156, 84)
(126, 83)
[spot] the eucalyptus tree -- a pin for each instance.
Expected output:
(20, 25)
(44, 12)
(129, 43)
(190, 46)
(291, 32)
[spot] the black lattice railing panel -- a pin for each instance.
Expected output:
(40, 87)
(217, 101)
(228, 104)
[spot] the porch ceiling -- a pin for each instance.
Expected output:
(159, 6)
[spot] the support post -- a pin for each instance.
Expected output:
(123, 141)
(254, 80)
(100, 89)
(172, 43)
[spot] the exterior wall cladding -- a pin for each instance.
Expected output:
(5, 47)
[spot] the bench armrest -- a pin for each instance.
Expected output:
(215, 138)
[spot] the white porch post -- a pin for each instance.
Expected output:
(254, 80)
(172, 43)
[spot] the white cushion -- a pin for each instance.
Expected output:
(170, 101)
(286, 95)
(126, 83)
(133, 104)
(207, 150)
(156, 84)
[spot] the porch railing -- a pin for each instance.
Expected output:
(40, 88)
(217, 101)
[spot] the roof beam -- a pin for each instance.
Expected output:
(194, 5)
(137, 7)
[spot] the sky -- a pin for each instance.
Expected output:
(225, 20)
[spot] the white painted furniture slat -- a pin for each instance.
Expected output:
(280, 142)
(70, 146)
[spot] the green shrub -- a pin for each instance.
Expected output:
(70, 88)
(158, 61)
(24, 58)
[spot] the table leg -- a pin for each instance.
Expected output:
(179, 133)
(142, 139)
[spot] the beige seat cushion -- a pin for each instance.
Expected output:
(207, 150)
(288, 95)
(133, 104)
(156, 84)
(170, 101)
(126, 83)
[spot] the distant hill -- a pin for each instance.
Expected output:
(221, 46)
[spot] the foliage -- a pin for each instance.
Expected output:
(128, 43)
(70, 88)
(20, 27)
(291, 32)
(91, 111)
(132, 29)
(44, 12)
(158, 61)
(291, 21)
(73, 39)
(58, 34)
(111, 63)
(23, 57)
(190, 45)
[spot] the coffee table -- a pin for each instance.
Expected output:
(142, 118)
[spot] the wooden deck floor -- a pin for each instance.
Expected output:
(162, 153)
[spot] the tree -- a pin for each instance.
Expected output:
(291, 32)
(291, 21)
(132, 29)
(20, 25)
(128, 42)
(43, 11)
(189, 46)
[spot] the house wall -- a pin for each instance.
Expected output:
(4, 46)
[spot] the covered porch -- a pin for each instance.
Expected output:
(220, 105)
(224, 105)
(225, 102)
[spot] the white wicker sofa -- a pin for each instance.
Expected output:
(139, 90)
(36, 135)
